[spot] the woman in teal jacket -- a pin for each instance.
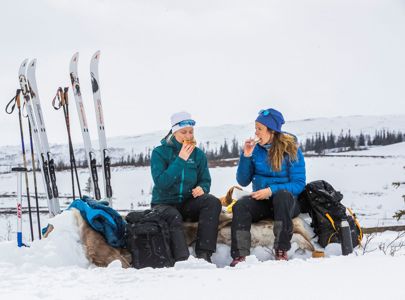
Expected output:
(275, 166)
(181, 191)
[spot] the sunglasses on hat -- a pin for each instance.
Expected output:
(267, 112)
(185, 123)
(264, 112)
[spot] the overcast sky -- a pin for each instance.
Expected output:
(221, 60)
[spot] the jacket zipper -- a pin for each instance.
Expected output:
(181, 187)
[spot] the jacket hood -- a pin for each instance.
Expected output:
(171, 142)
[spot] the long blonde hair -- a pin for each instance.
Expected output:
(283, 144)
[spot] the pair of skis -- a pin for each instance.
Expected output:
(90, 154)
(27, 79)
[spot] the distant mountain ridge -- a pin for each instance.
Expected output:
(213, 137)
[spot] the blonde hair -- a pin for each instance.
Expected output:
(283, 144)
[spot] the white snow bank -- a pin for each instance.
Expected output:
(372, 276)
(62, 248)
(56, 268)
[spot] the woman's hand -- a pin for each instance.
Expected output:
(197, 192)
(248, 147)
(263, 194)
(186, 151)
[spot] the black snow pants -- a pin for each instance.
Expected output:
(205, 209)
(281, 207)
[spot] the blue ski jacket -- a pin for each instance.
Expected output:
(257, 170)
(102, 219)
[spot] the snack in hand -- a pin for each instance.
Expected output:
(190, 142)
(255, 141)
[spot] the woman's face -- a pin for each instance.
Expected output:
(186, 133)
(263, 133)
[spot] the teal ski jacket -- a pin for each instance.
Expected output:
(173, 177)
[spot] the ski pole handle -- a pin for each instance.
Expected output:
(65, 95)
(13, 102)
(17, 98)
(57, 105)
(62, 96)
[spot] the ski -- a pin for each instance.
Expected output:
(53, 203)
(90, 156)
(39, 117)
(105, 159)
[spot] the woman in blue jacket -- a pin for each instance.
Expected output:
(274, 164)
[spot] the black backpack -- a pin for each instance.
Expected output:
(147, 238)
(322, 202)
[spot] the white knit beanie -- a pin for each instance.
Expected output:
(180, 117)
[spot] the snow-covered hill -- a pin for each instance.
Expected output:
(212, 137)
(397, 149)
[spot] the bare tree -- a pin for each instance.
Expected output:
(392, 247)
(366, 246)
(398, 214)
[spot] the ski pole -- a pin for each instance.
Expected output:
(9, 111)
(35, 180)
(65, 98)
(62, 96)
(19, 171)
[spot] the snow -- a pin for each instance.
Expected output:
(223, 63)
(393, 150)
(55, 268)
(366, 183)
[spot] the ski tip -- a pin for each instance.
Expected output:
(23, 67)
(75, 58)
(33, 63)
(96, 56)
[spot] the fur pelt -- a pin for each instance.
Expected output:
(96, 248)
(261, 232)
(101, 254)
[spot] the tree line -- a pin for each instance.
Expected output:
(348, 142)
(318, 144)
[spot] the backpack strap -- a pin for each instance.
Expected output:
(331, 220)
(357, 224)
(327, 215)
(331, 236)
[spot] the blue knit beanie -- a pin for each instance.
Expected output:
(271, 118)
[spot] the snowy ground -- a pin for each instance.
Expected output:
(366, 183)
(56, 268)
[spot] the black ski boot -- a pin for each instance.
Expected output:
(205, 255)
